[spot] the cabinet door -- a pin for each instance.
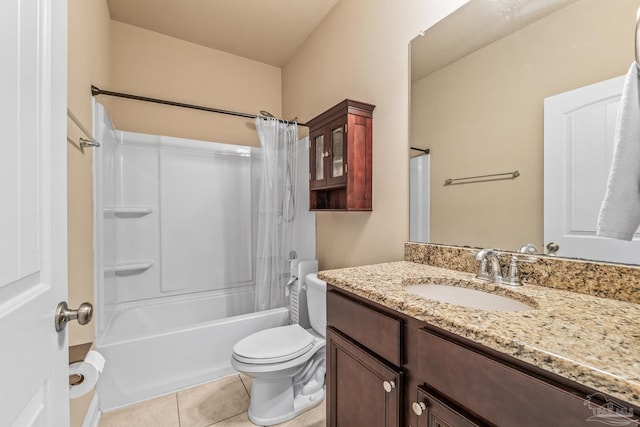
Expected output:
(361, 389)
(434, 412)
(336, 145)
(499, 392)
(317, 155)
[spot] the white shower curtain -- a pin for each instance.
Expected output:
(276, 212)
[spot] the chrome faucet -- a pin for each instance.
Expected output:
(490, 255)
(482, 267)
(513, 275)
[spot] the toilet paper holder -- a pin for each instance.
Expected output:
(76, 379)
(84, 371)
(77, 353)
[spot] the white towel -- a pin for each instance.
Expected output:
(620, 211)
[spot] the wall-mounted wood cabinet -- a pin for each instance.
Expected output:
(340, 158)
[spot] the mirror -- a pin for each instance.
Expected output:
(478, 83)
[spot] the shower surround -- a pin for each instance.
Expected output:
(175, 244)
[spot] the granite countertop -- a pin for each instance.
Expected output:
(590, 340)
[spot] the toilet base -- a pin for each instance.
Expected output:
(263, 411)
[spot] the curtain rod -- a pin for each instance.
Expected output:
(95, 91)
(424, 150)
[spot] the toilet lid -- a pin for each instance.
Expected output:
(274, 345)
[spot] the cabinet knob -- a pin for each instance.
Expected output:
(418, 408)
(388, 386)
(325, 154)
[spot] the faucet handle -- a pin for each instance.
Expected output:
(513, 276)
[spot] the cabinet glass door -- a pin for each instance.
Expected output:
(337, 164)
(317, 172)
(319, 157)
(337, 168)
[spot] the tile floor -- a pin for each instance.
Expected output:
(223, 403)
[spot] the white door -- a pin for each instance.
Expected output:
(33, 225)
(579, 128)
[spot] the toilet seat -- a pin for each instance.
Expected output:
(274, 345)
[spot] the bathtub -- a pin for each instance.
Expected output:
(156, 348)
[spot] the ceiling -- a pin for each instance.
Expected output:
(268, 31)
(476, 24)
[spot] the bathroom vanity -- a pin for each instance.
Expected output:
(397, 359)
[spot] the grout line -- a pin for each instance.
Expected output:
(220, 421)
(245, 386)
(178, 409)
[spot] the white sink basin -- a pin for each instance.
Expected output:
(467, 297)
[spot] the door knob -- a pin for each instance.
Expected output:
(418, 408)
(552, 247)
(63, 315)
(388, 386)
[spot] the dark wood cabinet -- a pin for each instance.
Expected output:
(495, 390)
(364, 354)
(340, 158)
(435, 412)
(442, 379)
(362, 390)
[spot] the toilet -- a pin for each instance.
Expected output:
(287, 363)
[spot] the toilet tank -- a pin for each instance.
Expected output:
(317, 303)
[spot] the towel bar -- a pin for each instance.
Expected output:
(83, 142)
(505, 175)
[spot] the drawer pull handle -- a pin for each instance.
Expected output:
(418, 408)
(388, 386)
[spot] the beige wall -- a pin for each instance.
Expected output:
(88, 60)
(158, 66)
(484, 114)
(88, 64)
(360, 51)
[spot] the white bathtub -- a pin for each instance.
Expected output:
(152, 349)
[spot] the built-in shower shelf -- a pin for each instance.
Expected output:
(128, 211)
(127, 268)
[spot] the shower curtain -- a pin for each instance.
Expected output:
(276, 211)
